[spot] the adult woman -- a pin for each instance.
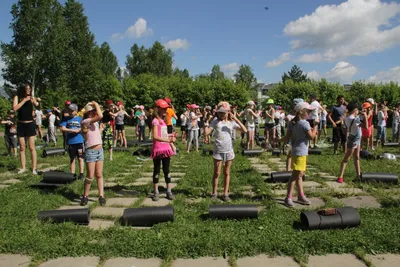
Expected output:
(26, 127)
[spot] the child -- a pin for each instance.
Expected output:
(288, 147)
(353, 124)
(51, 131)
(396, 124)
(223, 148)
(184, 119)
(367, 133)
(270, 123)
(299, 132)
(193, 127)
(107, 127)
(142, 125)
(382, 117)
(10, 133)
(72, 126)
(94, 154)
(251, 116)
(161, 151)
(120, 126)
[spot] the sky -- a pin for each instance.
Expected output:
(342, 41)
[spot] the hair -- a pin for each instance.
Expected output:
(339, 97)
(297, 117)
(155, 113)
(21, 90)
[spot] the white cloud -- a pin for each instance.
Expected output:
(342, 72)
(230, 69)
(2, 65)
(177, 44)
(352, 28)
(281, 59)
(137, 30)
(392, 74)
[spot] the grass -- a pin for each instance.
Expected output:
(191, 235)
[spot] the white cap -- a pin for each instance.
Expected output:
(137, 106)
(371, 100)
(251, 102)
(303, 105)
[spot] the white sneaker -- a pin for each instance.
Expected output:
(21, 171)
(34, 172)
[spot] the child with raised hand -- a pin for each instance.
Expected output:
(299, 132)
(72, 126)
(193, 127)
(161, 150)
(251, 116)
(10, 133)
(94, 154)
(224, 125)
(353, 124)
(107, 127)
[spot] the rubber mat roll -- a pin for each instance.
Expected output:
(260, 138)
(380, 177)
(55, 177)
(252, 153)
(147, 216)
(145, 144)
(131, 143)
(282, 177)
(393, 144)
(79, 216)
(344, 217)
(53, 152)
(314, 151)
(276, 152)
(241, 211)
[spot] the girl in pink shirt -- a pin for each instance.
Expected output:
(161, 151)
(94, 155)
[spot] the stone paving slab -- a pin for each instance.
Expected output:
(74, 207)
(275, 159)
(315, 203)
(121, 201)
(110, 184)
(201, 262)
(72, 262)
(147, 179)
(77, 201)
(265, 260)
(7, 174)
(329, 177)
(360, 202)
(335, 260)
(349, 190)
(107, 211)
(12, 181)
(2, 186)
(160, 203)
(279, 192)
(384, 260)
(125, 174)
(137, 183)
(311, 184)
(100, 224)
(257, 165)
(254, 160)
(173, 174)
(132, 262)
(12, 260)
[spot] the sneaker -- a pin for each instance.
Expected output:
(226, 199)
(102, 201)
(373, 148)
(81, 177)
(214, 197)
(156, 196)
(303, 200)
(170, 196)
(21, 171)
(340, 180)
(289, 202)
(84, 201)
(34, 172)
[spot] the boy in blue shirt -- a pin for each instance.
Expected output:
(72, 126)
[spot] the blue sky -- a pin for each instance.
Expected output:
(339, 40)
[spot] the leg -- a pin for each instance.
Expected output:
(217, 171)
(288, 162)
(156, 175)
(356, 157)
(22, 152)
(251, 139)
(299, 183)
(291, 183)
(89, 177)
(196, 140)
(32, 148)
(99, 177)
(189, 143)
(227, 177)
(124, 139)
(344, 162)
(72, 165)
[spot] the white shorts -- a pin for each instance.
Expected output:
(224, 156)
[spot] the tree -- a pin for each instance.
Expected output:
(246, 77)
(108, 60)
(181, 73)
(295, 74)
(216, 73)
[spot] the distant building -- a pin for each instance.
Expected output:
(262, 90)
(347, 86)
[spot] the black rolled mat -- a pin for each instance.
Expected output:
(147, 216)
(282, 177)
(233, 211)
(55, 177)
(380, 177)
(79, 216)
(276, 152)
(260, 138)
(252, 153)
(314, 151)
(393, 144)
(145, 144)
(345, 217)
(53, 152)
(131, 143)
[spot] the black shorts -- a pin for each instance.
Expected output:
(26, 129)
(269, 126)
(338, 134)
(119, 127)
(11, 140)
(76, 151)
(183, 128)
(169, 129)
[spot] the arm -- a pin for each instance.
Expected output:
(243, 128)
(66, 130)
(157, 138)
(254, 114)
(286, 138)
(330, 119)
(6, 122)
(269, 115)
(99, 115)
(364, 123)
(16, 105)
(312, 133)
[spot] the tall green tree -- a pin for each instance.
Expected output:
(246, 77)
(295, 74)
(216, 73)
(108, 61)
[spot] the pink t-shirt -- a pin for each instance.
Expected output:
(161, 149)
(92, 136)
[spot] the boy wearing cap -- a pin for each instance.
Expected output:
(10, 133)
(72, 127)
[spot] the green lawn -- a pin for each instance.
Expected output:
(191, 234)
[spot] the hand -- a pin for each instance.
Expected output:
(94, 103)
(233, 116)
(38, 99)
(172, 139)
(76, 130)
(26, 99)
(334, 125)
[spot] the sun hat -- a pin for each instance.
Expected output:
(297, 100)
(251, 102)
(366, 105)
(303, 105)
(161, 103)
(270, 101)
(208, 108)
(89, 107)
(371, 100)
(225, 105)
(73, 107)
(137, 106)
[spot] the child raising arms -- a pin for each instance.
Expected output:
(224, 126)
(299, 132)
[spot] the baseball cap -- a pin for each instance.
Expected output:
(141, 107)
(49, 110)
(371, 100)
(366, 105)
(251, 102)
(109, 102)
(161, 103)
(167, 100)
(67, 102)
(194, 106)
(270, 101)
(297, 100)
(73, 107)
(119, 103)
(303, 105)
(221, 110)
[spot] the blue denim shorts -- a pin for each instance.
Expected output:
(381, 133)
(92, 155)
